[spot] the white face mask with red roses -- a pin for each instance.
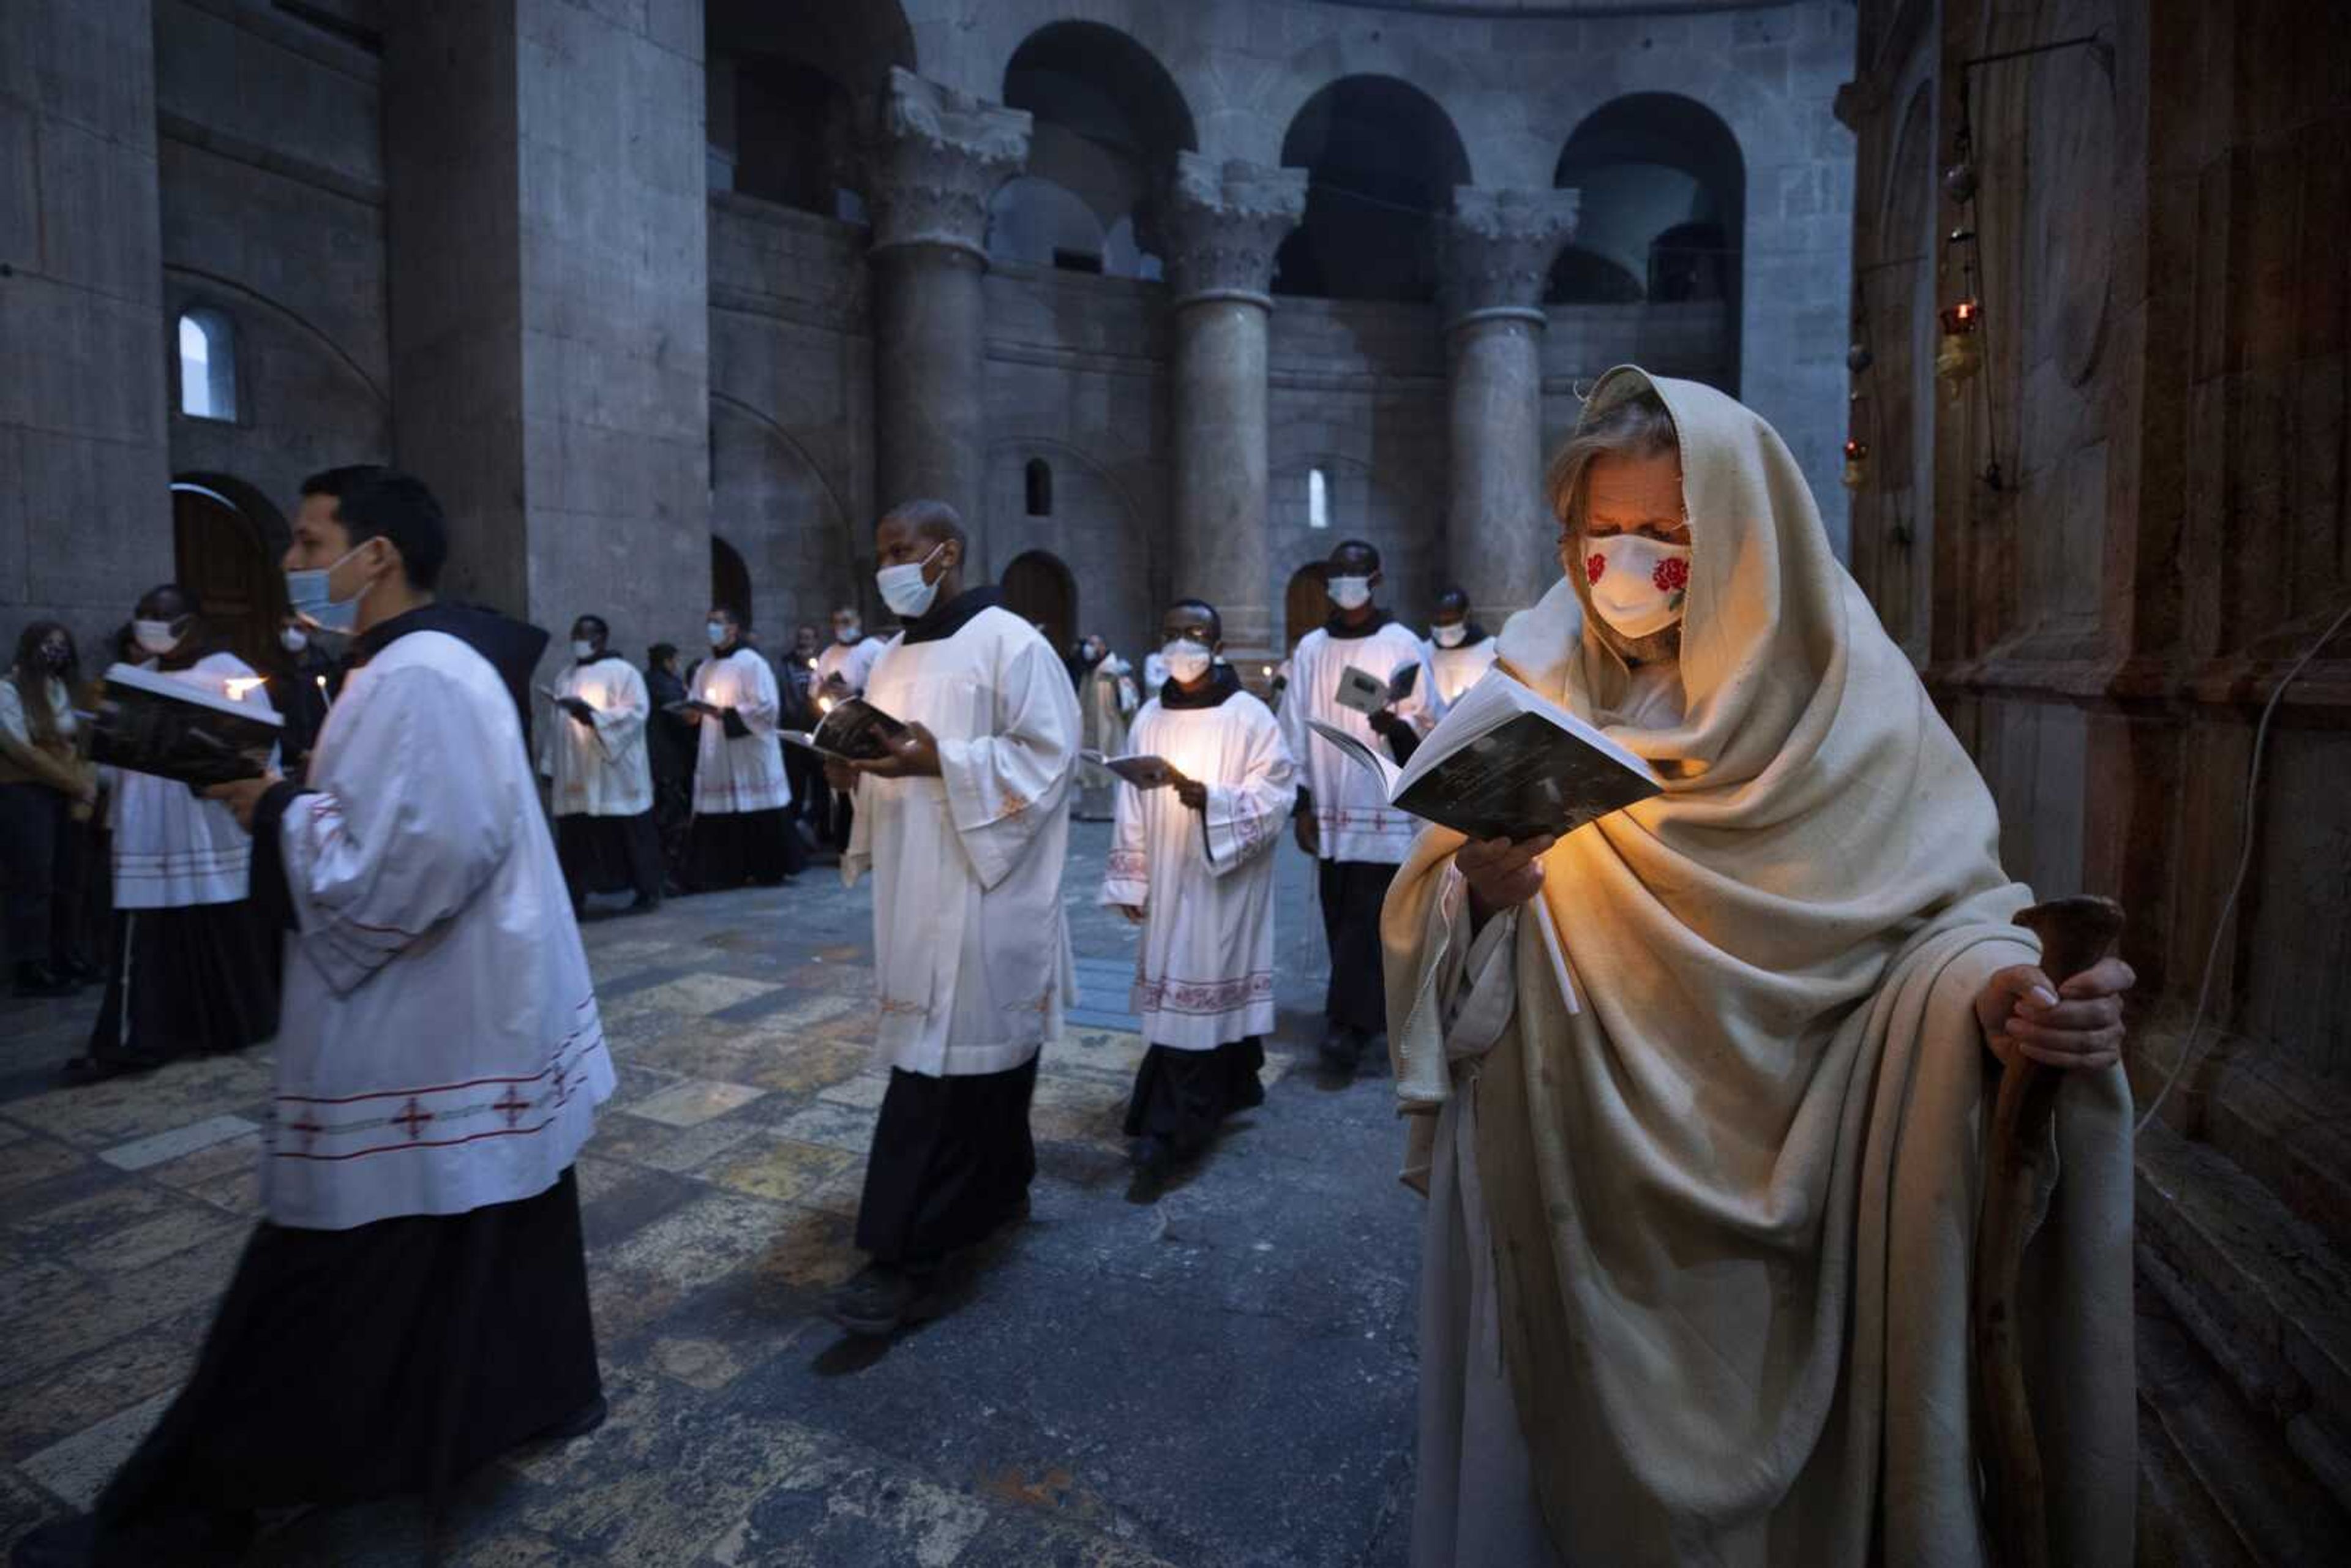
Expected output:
(1637, 584)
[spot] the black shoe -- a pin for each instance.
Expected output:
(1342, 1051)
(579, 1424)
(646, 903)
(84, 1070)
(883, 1298)
(35, 978)
(81, 971)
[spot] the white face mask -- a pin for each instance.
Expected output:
(1449, 636)
(1187, 661)
(292, 639)
(846, 632)
(1637, 585)
(156, 636)
(582, 650)
(1350, 592)
(716, 632)
(904, 589)
(309, 595)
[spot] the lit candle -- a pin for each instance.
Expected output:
(323, 696)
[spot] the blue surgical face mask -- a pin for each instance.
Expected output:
(307, 595)
(904, 589)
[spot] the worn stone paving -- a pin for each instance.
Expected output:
(1222, 1375)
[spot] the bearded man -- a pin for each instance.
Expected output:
(1703, 1167)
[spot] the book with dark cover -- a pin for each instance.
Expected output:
(150, 723)
(853, 730)
(1505, 763)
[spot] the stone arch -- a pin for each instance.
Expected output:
(1388, 509)
(730, 582)
(1096, 526)
(774, 502)
(1381, 158)
(1107, 122)
(1663, 209)
(790, 90)
(1039, 586)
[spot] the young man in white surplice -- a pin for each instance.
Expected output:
(964, 826)
(1190, 862)
(1459, 650)
(743, 830)
(594, 757)
(414, 1300)
(1342, 816)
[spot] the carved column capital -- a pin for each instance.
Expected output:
(1495, 250)
(940, 157)
(1221, 223)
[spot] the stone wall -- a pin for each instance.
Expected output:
(273, 215)
(1514, 89)
(83, 463)
(2104, 614)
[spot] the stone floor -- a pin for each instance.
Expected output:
(1223, 1375)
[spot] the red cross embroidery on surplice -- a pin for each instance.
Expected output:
(413, 1118)
(309, 1131)
(512, 1104)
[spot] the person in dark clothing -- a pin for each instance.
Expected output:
(47, 796)
(670, 739)
(300, 685)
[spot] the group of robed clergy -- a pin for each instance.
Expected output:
(1696, 1142)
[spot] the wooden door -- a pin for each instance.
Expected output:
(1306, 604)
(1038, 587)
(219, 555)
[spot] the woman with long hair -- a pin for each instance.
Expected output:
(46, 794)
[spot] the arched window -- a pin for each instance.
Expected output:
(1041, 488)
(1318, 499)
(207, 364)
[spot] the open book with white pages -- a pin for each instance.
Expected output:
(1507, 763)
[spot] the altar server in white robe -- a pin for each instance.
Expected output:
(743, 831)
(963, 828)
(1342, 819)
(593, 754)
(1459, 650)
(195, 964)
(1193, 863)
(1107, 701)
(841, 672)
(1701, 1148)
(414, 1301)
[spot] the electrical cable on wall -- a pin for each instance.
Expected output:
(2244, 865)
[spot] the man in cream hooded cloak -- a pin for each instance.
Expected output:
(1695, 1260)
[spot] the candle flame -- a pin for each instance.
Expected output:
(824, 704)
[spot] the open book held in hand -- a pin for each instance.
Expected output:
(852, 730)
(1506, 763)
(1142, 772)
(1366, 692)
(150, 723)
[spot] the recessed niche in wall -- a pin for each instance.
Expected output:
(1041, 488)
(207, 364)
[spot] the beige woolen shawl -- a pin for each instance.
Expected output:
(1732, 1199)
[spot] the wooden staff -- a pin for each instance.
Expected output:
(2076, 934)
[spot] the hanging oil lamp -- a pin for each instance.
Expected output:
(1856, 463)
(1961, 355)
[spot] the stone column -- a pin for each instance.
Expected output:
(942, 156)
(85, 466)
(1497, 249)
(550, 313)
(1221, 223)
